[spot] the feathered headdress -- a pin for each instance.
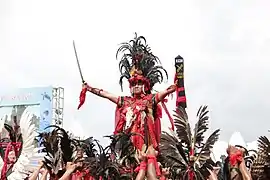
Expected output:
(102, 166)
(86, 146)
(139, 64)
(125, 152)
(59, 147)
(13, 143)
(260, 168)
(185, 152)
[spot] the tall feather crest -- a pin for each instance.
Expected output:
(260, 168)
(201, 126)
(206, 147)
(103, 166)
(185, 152)
(123, 148)
(136, 54)
(59, 148)
(182, 125)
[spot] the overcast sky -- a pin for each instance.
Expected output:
(225, 44)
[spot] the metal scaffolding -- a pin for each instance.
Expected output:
(58, 106)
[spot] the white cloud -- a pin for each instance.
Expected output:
(225, 45)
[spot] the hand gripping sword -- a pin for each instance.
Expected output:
(84, 90)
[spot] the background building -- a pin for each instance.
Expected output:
(46, 104)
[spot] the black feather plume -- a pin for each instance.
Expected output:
(148, 63)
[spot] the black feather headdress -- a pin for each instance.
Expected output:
(87, 146)
(185, 152)
(124, 151)
(59, 147)
(138, 63)
(102, 165)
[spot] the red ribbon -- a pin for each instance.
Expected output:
(142, 166)
(191, 175)
(236, 158)
(82, 97)
(167, 112)
(153, 159)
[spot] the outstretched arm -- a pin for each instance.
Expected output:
(101, 93)
(162, 95)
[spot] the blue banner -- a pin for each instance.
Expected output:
(41, 96)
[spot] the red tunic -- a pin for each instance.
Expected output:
(134, 114)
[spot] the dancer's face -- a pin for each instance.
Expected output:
(79, 153)
(12, 157)
(137, 88)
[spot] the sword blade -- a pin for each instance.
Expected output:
(78, 63)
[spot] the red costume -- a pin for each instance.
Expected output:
(133, 114)
(13, 144)
(139, 113)
(9, 147)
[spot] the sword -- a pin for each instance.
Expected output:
(78, 63)
(84, 90)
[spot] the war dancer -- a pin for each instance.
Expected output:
(10, 157)
(9, 148)
(138, 113)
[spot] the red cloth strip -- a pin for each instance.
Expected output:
(142, 166)
(181, 99)
(153, 159)
(191, 175)
(82, 97)
(167, 112)
(236, 158)
(180, 89)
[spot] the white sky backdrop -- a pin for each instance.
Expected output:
(225, 44)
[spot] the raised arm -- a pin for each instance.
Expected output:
(162, 95)
(245, 173)
(34, 175)
(101, 93)
(44, 175)
(70, 168)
